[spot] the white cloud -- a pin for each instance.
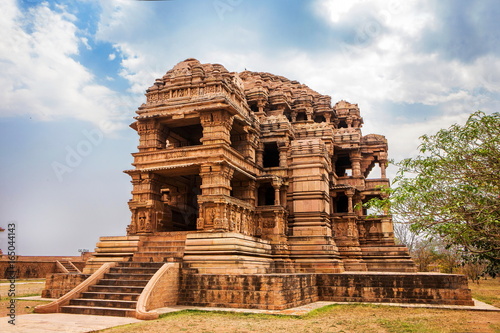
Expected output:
(336, 10)
(40, 77)
(112, 56)
(383, 65)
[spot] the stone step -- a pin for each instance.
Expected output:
(115, 289)
(126, 283)
(158, 253)
(117, 293)
(162, 248)
(113, 254)
(154, 258)
(104, 303)
(111, 296)
(140, 264)
(134, 270)
(112, 250)
(101, 311)
(127, 276)
(164, 243)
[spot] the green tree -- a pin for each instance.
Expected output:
(452, 188)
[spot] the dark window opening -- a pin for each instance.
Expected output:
(343, 166)
(271, 156)
(301, 116)
(254, 108)
(288, 116)
(319, 119)
(342, 204)
(342, 124)
(185, 136)
(266, 195)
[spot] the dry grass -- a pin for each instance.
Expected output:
(487, 291)
(30, 288)
(336, 318)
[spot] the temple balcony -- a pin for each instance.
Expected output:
(192, 157)
(347, 136)
(376, 183)
(351, 181)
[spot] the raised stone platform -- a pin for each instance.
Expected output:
(282, 291)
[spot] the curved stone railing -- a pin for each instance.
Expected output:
(56, 305)
(161, 290)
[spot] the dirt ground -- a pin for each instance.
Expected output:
(338, 318)
(24, 288)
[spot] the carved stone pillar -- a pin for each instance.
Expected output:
(309, 114)
(152, 135)
(146, 204)
(216, 127)
(276, 183)
(216, 179)
(356, 163)
(383, 165)
(251, 143)
(350, 194)
(328, 116)
(260, 155)
(349, 122)
(283, 149)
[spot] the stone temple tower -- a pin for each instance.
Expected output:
(260, 173)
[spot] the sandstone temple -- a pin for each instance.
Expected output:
(248, 191)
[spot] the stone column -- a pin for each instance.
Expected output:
(283, 149)
(146, 204)
(276, 183)
(216, 179)
(152, 135)
(216, 127)
(383, 165)
(350, 194)
(260, 155)
(356, 163)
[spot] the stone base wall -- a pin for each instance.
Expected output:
(282, 291)
(423, 288)
(56, 285)
(259, 291)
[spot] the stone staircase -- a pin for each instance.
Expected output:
(117, 293)
(161, 247)
(69, 267)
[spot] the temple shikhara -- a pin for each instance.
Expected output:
(248, 191)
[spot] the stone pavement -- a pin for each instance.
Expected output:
(63, 322)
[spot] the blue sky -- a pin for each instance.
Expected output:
(73, 73)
